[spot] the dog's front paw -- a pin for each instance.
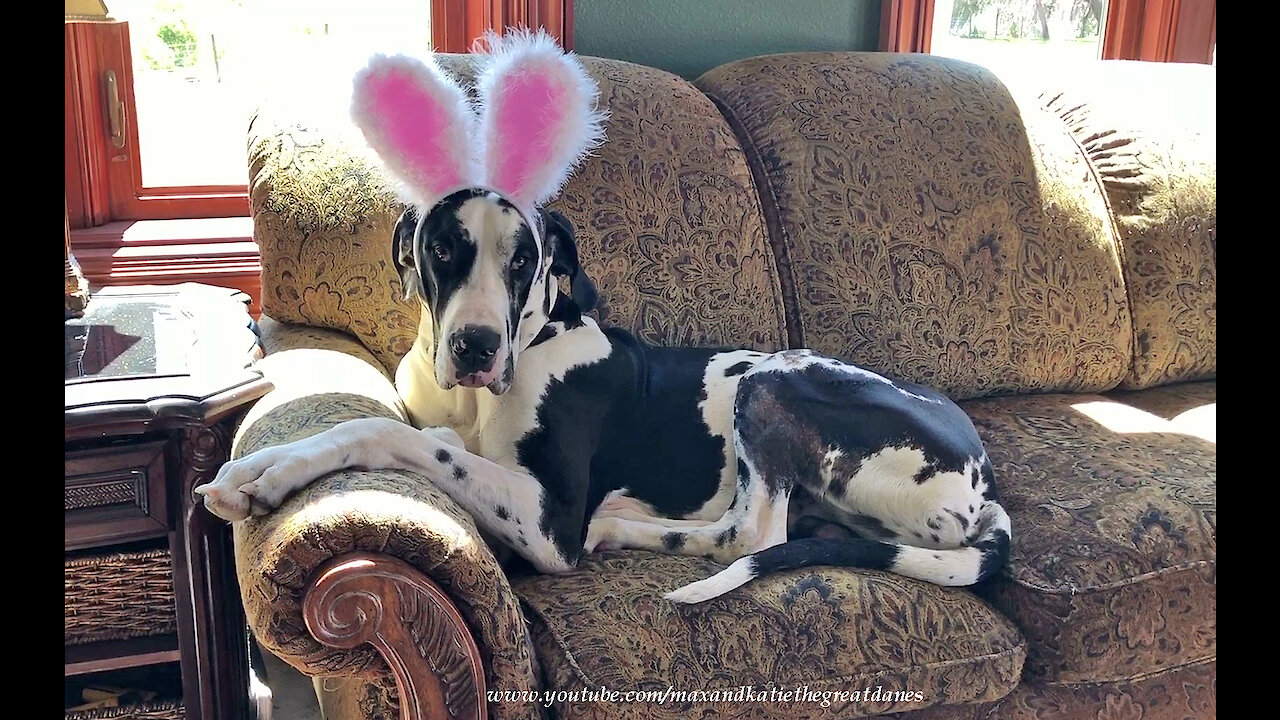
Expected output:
(253, 485)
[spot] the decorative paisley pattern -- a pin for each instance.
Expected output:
(1149, 129)
(667, 223)
(606, 624)
(383, 511)
(1114, 561)
(927, 226)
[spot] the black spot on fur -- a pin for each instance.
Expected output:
(744, 475)
(964, 521)
(935, 537)
(459, 473)
(925, 473)
(975, 477)
(837, 485)
(727, 536)
(737, 368)
(868, 525)
(673, 541)
(546, 333)
(502, 513)
(934, 524)
(443, 455)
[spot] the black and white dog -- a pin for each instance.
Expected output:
(563, 438)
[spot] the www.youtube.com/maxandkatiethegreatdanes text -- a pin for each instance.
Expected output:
(740, 694)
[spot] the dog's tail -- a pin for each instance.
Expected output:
(960, 566)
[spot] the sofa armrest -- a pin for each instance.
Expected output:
(356, 540)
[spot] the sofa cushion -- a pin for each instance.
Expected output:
(668, 223)
(927, 225)
(1150, 130)
(1112, 573)
(606, 624)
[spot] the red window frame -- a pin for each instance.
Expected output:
(1154, 30)
(104, 182)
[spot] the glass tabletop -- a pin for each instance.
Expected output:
(159, 330)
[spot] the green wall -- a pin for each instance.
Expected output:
(689, 37)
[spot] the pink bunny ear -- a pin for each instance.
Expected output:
(419, 122)
(538, 116)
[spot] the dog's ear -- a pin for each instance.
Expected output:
(402, 251)
(564, 259)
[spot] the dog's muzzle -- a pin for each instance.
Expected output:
(473, 350)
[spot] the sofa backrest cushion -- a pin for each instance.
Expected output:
(927, 225)
(1150, 130)
(668, 223)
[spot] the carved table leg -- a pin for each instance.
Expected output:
(377, 599)
(215, 670)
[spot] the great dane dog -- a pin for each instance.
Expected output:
(563, 438)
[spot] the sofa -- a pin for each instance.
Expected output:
(1042, 248)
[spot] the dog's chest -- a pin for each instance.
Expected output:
(505, 420)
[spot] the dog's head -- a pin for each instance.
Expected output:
(487, 275)
(475, 245)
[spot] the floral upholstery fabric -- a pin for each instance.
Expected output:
(1150, 131)
(1112, 574)
(667, 222)
(606, 624)
(927, 226)
(382, 511)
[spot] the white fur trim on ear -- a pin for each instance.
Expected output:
(538, 116)
(420, 124)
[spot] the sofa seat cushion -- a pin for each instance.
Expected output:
(829, 629)
(1113, 565)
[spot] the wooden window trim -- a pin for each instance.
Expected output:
(906, 25)
(1153, 30)
(457, 24)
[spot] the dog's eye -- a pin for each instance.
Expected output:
(441, 252)
(518, 262)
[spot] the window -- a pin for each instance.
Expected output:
(201, 66)
(159, 96)
(1021, 32)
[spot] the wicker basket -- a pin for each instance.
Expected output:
(118, 596)
(147, 711)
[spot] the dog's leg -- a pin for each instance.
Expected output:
(620, 504)
(756, 519)
(512, 506)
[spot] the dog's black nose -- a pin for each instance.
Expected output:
(473, 349)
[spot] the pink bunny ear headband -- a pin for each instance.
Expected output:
(537, 120)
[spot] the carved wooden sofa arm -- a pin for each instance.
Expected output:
(375, 576)
(361, 598)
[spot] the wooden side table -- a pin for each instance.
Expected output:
(156, 379)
